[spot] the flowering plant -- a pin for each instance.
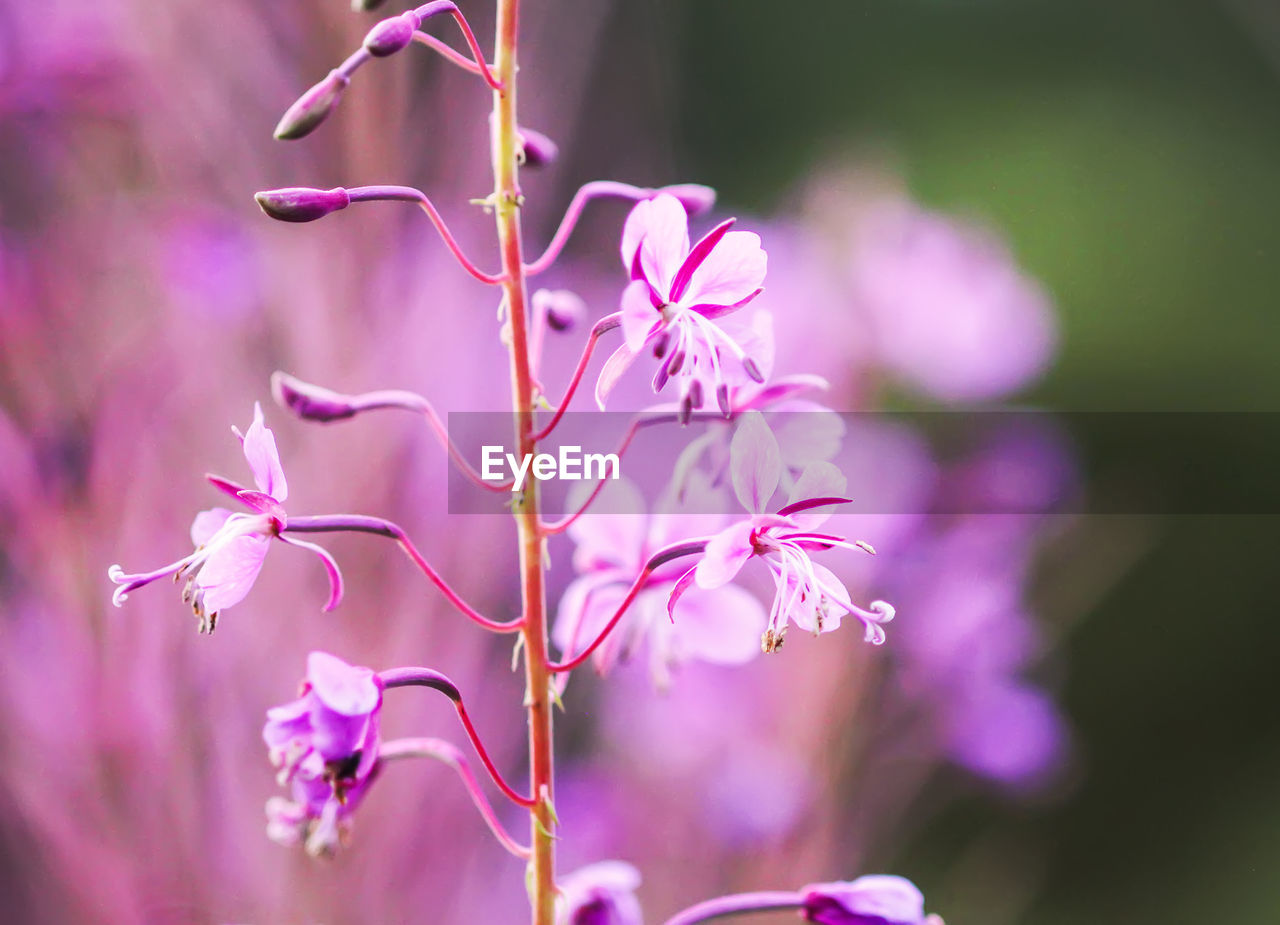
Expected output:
(667, 582)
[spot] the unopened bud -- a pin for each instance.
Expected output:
(391, 35)
(695, 197)
(539, 150)
(310, 402)
(565, 310)
(301, 204)
(312, 108)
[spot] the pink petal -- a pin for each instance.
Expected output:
(732, 272)
(638, 315)
(207, 523)
(665, 243)
(614, 367)
(330, 567)
(697, 255)
(755, 463)
(264, 460)
(226, 486)
(343, 688)
(818, 480)
(805, 615)
(229, 573)
(721, 626)
(726, 553)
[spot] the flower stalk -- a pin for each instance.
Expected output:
(506, 208)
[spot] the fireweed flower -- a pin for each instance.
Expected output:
(877, 899)
(231, 547)
(677, 294)
(325, 744)
(720, 626)
(807, 594)
(600, 894)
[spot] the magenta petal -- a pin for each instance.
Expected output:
(638, 315)
(330, 567)
(731, 274)
(207, 523)
(264, 460)
(612, 371)
(230, 572)
(755, 462)
(721, 626)
(226, 486)
(725, 555)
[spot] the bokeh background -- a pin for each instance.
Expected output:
(1119, 158)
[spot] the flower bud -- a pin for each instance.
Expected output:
(695, 197)
(539, 150)
(872, 900)
(302, 204)
(565, 309)
(311, 402)
(312, 108)
(391, 35)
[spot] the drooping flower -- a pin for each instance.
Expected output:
(325, 744)
(808, 594)
(316, 815)
(600, 894)
(231, 547)
(719, 626)
(876, 899)
(676, 295)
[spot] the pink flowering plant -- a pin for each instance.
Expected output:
(664, 581)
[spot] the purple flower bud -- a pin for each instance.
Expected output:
(695, 197)
(873, 900)
(601, 894)
(564, 309)
(391, 35)
(312, 108)
(311, 402)
(302, 204)
(539, 150)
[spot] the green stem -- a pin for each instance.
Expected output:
(506, 207)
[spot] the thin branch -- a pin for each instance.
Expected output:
(360, 523)
(596, 189)
(409, 194)
(603, 326)
(447, 753)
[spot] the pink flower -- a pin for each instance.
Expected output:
(807, 594)
(600, 894)
(677, 293)
(231, 547)
(326, 746)
(951, 312)
(720, 626)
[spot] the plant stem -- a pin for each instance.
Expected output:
(506, 207)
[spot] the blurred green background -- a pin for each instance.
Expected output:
(1130, 153)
